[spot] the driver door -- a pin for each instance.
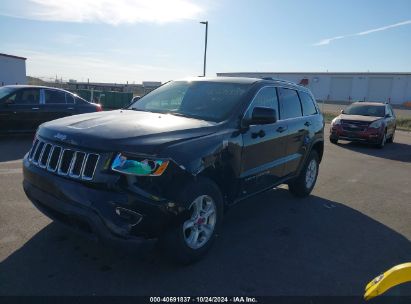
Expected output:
(264, 147)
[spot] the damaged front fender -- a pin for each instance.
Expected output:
(217, 156)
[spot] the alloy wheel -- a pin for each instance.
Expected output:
(311, 173)
(200, 227)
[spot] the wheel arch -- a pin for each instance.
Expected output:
(224, 178)
(318, 146)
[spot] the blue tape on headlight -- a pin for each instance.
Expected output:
(145, 167)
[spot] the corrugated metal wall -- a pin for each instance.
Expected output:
(12, 71)
(346, 87)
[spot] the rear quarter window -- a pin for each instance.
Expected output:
(69, 98)
(307, 104)
(80, 101)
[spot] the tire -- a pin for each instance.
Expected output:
(303, 185)
(334, 140)
(189, 240)
(391, 139)
(383, 140)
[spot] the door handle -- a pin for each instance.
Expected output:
(307, 124)
(281, 129)
(70, 108)
(260, 133)
(35, 108)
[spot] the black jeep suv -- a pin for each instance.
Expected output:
(169, 165)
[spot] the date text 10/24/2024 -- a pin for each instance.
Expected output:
(203, 300)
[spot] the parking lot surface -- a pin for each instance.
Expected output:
(355, 225)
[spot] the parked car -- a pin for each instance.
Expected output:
(369, 122)
(23, 108)
(170, 164)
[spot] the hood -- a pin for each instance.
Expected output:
(359, 118)
(125, 130)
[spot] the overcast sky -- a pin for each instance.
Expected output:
(145, 40)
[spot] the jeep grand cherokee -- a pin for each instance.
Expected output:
(169, 165)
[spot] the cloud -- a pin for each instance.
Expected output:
(96, 66)
(379, 29)
(328, 40)
(112, 12)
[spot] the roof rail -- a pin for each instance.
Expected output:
(279, 80)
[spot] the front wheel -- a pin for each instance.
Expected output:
(391, 139)
(334, 140)
(305, 182)
(383, 140)
(194, 234)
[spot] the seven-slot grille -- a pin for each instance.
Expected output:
(63, 161)
(353, 125)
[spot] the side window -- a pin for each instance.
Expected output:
(69, 98)
(80, 101)
(266, 97)
(307, 103)
(290, 103)
(54, 97)
(26, 97)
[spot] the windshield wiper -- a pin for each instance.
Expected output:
(187, 115)
(141, 110)
(179, 114)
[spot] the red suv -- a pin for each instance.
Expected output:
(370, 122)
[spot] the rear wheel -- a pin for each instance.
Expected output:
(193, 236)
(305, 182)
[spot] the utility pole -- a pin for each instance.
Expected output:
(205, 47)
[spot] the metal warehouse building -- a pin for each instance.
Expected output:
(393, 88)
(12, 69)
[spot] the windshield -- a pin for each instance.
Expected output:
(365, 110)
(4, 91)
(212, 101)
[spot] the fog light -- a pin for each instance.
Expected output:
(133, 218)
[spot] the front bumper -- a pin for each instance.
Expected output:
(99, 214)
(368, 135)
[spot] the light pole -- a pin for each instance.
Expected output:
(205, 47)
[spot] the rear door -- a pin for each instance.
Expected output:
(298, 129)
(20, 110)
(263, 146)
(55, 104)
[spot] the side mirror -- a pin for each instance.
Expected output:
(262, 116)
(342, 111)
(387, 115)
(8, 101)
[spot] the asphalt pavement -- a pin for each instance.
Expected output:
(355, 225)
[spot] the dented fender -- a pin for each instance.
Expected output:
(196, 155)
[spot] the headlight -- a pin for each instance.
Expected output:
(336, 121)
(376, 124)
(142, 167)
